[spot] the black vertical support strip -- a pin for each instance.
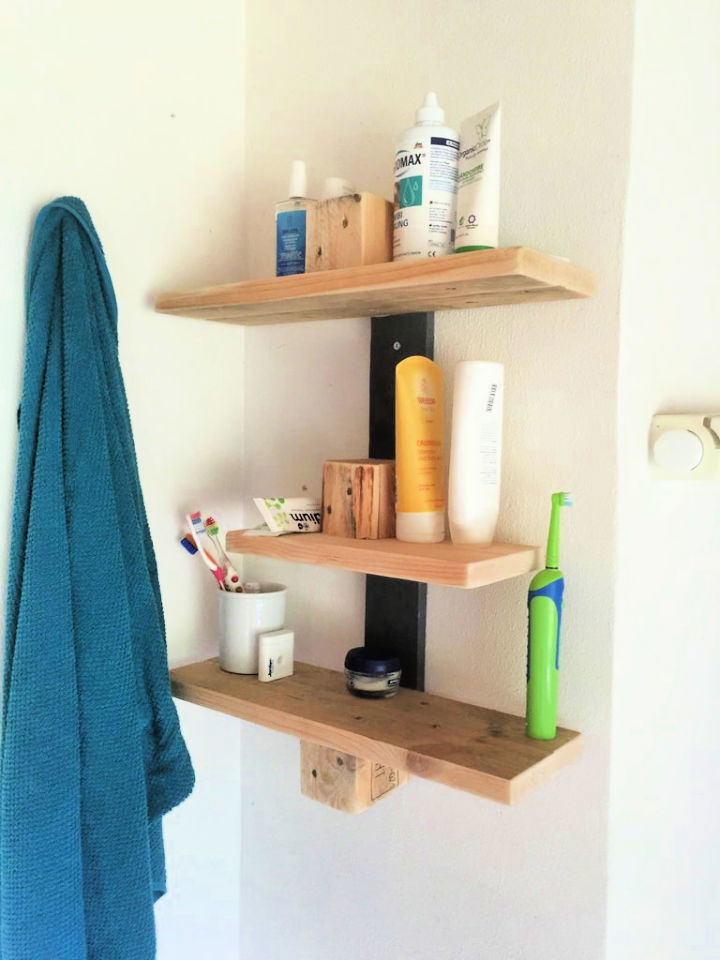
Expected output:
(395, 610)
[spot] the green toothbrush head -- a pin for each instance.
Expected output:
(552, 557)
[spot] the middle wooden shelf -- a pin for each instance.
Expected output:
(446, 563)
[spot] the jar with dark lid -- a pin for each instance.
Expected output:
(372, 673)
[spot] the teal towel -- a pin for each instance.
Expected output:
(92, 755)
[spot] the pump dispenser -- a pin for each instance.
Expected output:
(424, 216)
(335, 187)
(297, 190)
(291, 224)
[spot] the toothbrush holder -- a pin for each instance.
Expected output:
(241, 618)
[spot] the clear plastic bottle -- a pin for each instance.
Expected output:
(291, 224)
(426, 173)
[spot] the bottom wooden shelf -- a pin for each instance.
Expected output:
(458, 744)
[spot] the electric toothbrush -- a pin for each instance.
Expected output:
(545, 599)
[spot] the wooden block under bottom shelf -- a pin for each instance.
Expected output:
(343, 781)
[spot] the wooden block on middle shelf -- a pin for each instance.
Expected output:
(359, 499)
(350, 231)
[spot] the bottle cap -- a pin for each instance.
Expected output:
(336, 187)
(371, 660)
(430, 111)
(298, 179)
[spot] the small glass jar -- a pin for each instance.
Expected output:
(372, 673)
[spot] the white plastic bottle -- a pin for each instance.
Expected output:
(291, 224)
(426, 173)
(475, 451)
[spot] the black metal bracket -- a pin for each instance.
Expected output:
(395, 610)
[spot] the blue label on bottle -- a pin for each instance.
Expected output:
(290, 234)
(446, 142)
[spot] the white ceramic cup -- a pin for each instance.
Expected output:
(241, 617)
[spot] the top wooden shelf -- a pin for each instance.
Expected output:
(461, 280)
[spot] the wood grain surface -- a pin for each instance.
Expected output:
(464, 746)
(452, 565)
(459, 280)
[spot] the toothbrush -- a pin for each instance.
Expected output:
(232, 580)
(197, 529)
(545, 599)
(188, 542)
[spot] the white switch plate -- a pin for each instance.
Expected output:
(686, 446)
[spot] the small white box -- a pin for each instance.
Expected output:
(276, 654)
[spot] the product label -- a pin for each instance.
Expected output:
(488, 454)
(419, 447)
(443, 164)
(479, 182)
(425, 189)
(409, 192)
(290, 514)
(290, 237)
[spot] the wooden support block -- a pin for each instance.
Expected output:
(349, 231)
(359, 499)
(345, 782)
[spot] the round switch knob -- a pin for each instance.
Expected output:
(678, 451)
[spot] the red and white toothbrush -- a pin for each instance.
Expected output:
(197, 529)
(232, 579)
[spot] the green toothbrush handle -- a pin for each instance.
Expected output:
(544, 616)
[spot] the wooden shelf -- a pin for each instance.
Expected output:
(461, 280)
(481, 751)
(466, 565)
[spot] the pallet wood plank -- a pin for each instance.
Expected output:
(453, 565)
(461, 280)
(462, 745)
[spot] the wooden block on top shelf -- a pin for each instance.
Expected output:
(343, 781)
(358, 499)
(350, 231)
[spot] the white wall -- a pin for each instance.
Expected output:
(665, 843)
(138, 109)
(431, 872)
(140, 112)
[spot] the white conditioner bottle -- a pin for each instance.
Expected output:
(475, 451)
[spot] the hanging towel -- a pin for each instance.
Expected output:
(92, 755)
